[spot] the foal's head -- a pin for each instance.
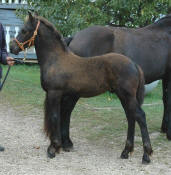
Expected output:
(25, 34)
(35, 26)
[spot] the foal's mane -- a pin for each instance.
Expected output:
(58, 36)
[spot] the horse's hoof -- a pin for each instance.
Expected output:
(168, 135)
(145, 159)
(164, 127)
(51, 152)
(2, 148)
(163, 130)
(124, 155)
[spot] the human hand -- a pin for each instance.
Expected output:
(10, 61)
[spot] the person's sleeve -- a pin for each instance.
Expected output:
(3, 49)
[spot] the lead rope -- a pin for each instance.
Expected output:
(9, 67)
(8, 70)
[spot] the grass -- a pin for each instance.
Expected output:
(23, 86)
(98, 118)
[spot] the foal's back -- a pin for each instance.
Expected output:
(96, 75)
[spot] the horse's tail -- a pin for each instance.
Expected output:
(68, 40)
(141, 88)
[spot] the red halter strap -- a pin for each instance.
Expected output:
(30, 41)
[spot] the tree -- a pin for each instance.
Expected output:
(70, 16)
(134, 12)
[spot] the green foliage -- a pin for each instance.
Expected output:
(133, 12)
(70, 16)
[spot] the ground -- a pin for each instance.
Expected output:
(25, 151)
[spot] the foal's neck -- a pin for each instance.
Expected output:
(48, 49)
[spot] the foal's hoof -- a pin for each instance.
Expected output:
(2, 148)
(68, 149)
(51, 155)
(67, 146)
(145, 159)
(51, 152)
(124, 154)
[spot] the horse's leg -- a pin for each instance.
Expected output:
(165, 99)
(166, 123)
(67, 105)
(52, 121)
(134, 112)
(168, 108)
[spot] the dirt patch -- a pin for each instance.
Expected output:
(25, 151)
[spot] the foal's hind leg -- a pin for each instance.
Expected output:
(129, 146)
(52, 121)
(67, 105)
(134, 112)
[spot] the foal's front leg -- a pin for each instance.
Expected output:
(52, 121)
(67, 105)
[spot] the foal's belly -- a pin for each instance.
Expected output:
(87, 87)
(90, 92)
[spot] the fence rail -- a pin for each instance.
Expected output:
(13, 1)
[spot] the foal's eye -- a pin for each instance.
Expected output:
(23, 31)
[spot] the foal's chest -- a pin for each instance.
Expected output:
(54, 78)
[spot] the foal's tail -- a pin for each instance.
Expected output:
(68, 40)
(141, 89)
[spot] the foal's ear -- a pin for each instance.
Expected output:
(31, 18)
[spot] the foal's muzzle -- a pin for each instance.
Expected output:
(14, 47)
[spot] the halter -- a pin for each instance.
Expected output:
(30, 41)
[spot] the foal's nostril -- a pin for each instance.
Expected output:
(13, 49)
(10, 48)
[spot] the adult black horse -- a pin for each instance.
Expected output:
(150, 47)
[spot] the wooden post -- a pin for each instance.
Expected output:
(16, 2)
(16, 31)
(7, 37)
(23, 2)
